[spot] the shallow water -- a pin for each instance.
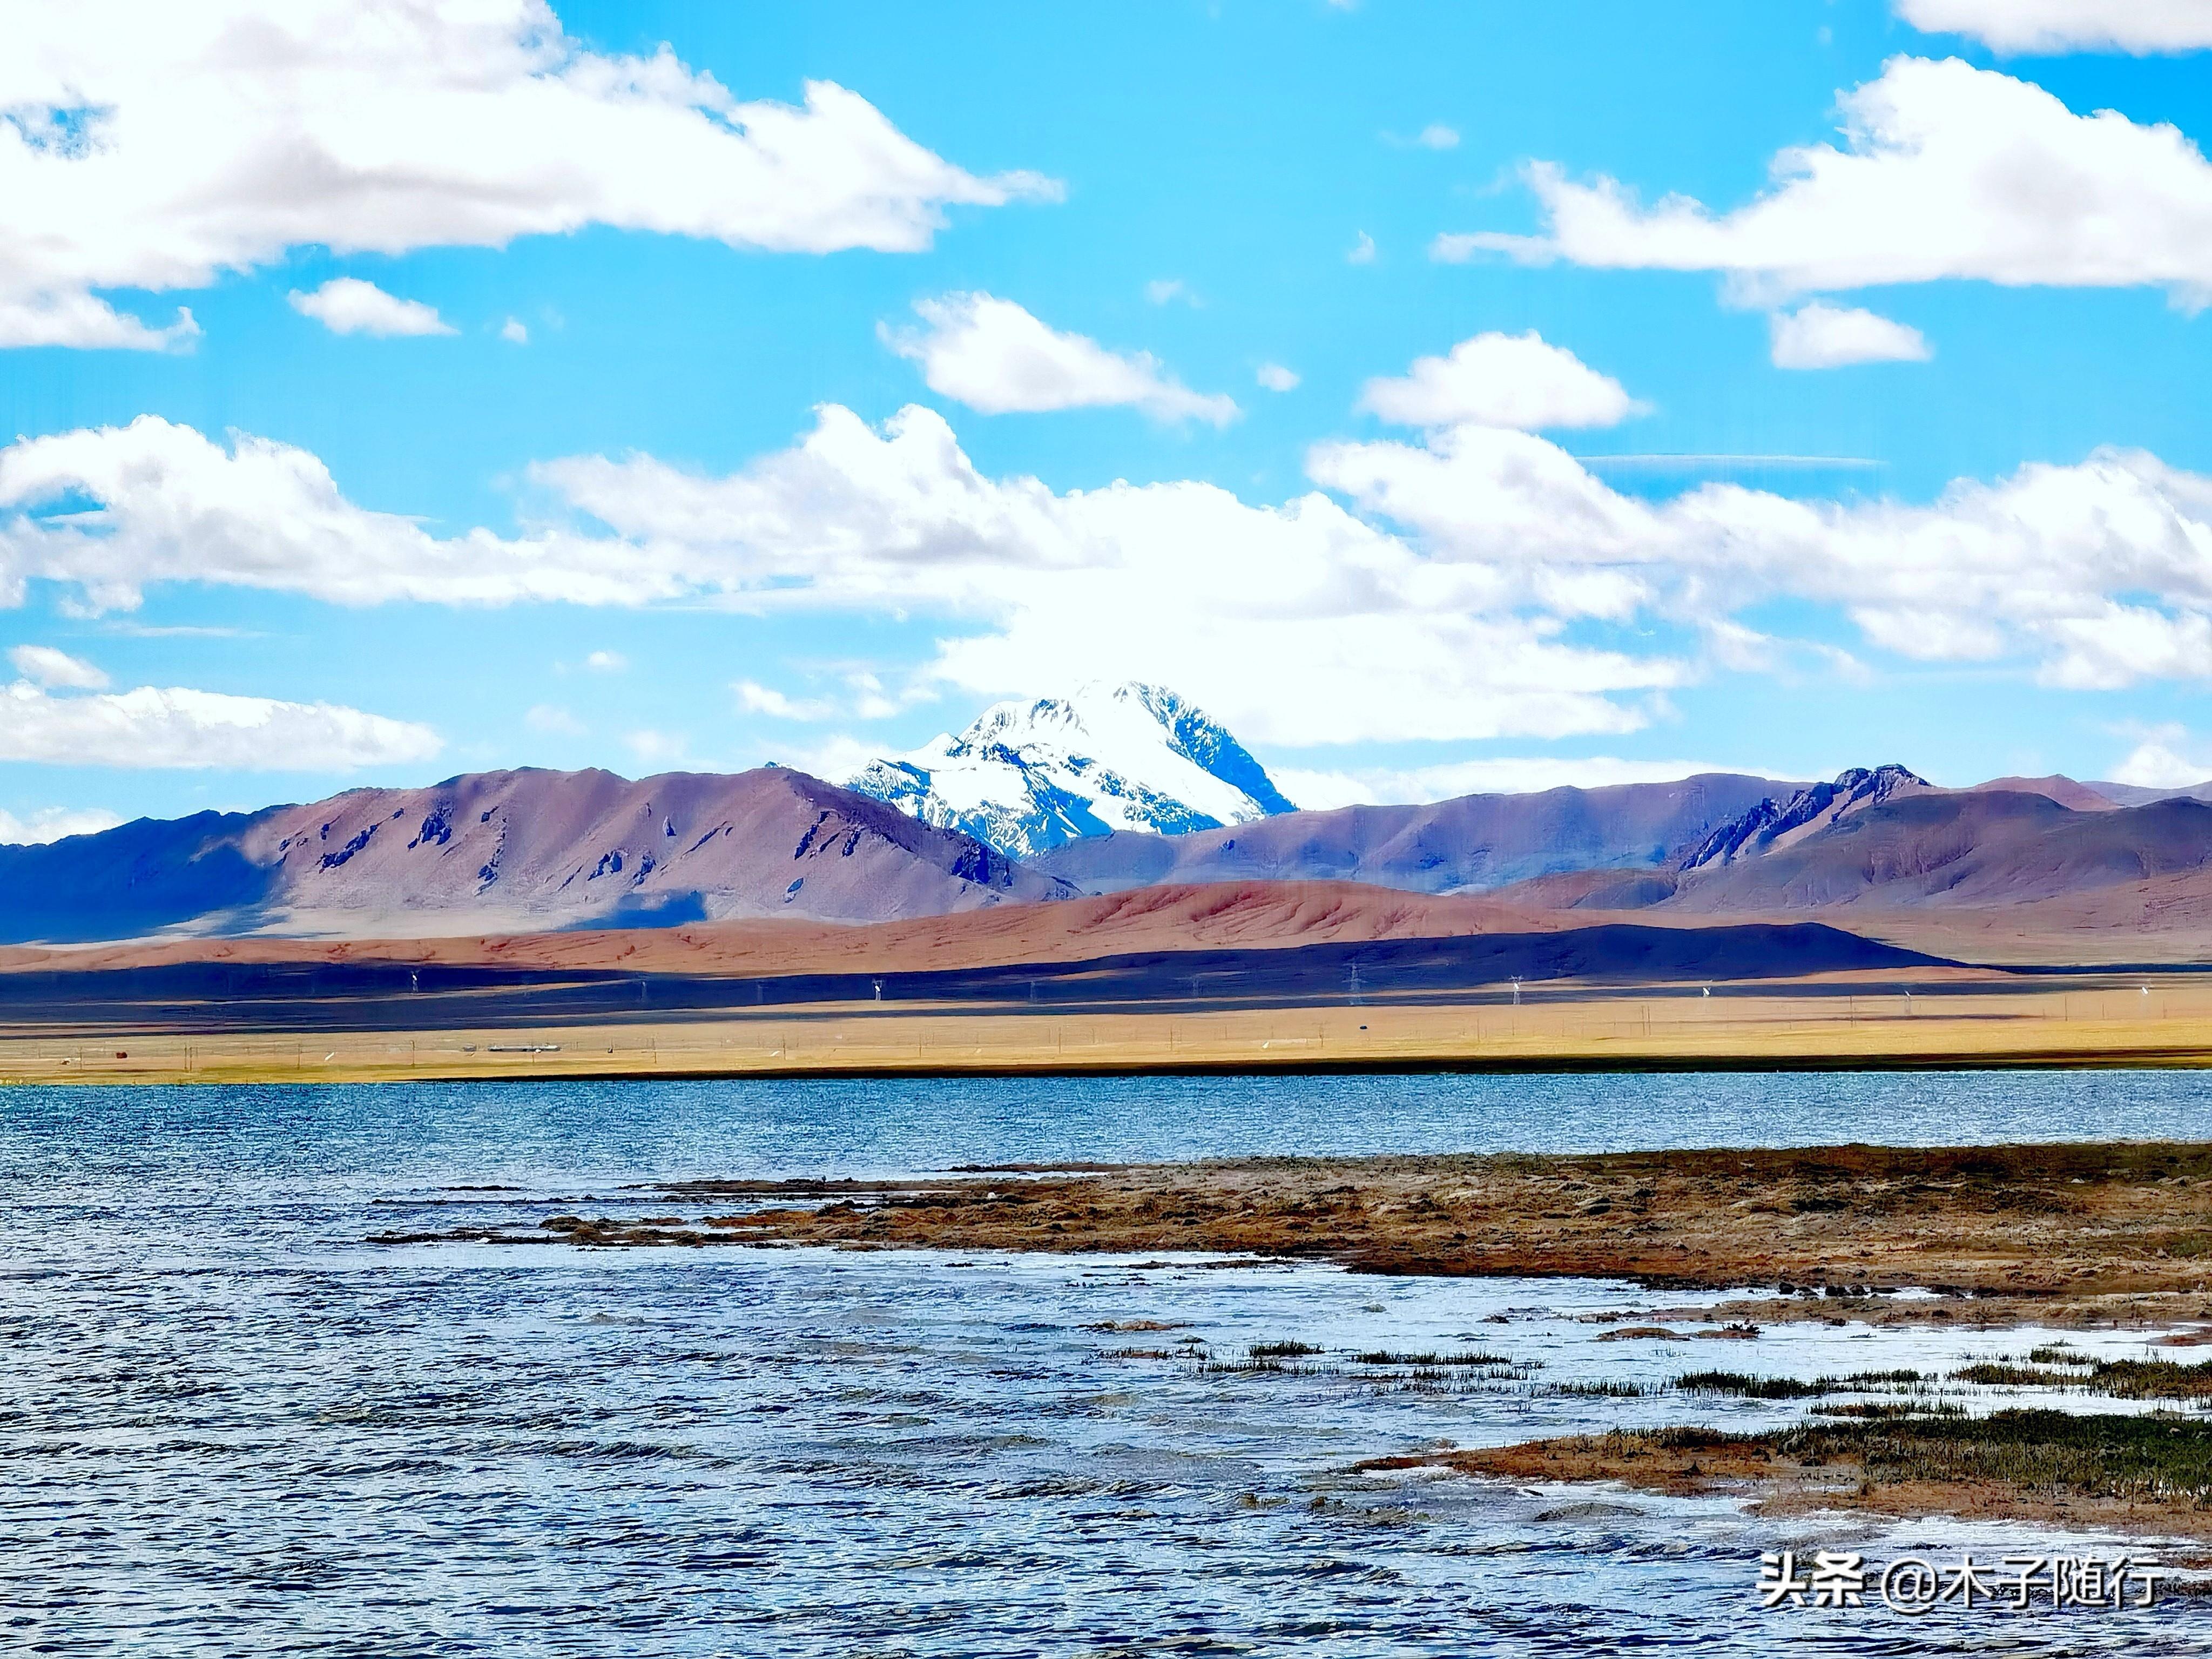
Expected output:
(228, 1426)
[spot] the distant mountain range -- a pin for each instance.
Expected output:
(1472, 844)
(1925, 850)
(1111, 790)
(1030, 776)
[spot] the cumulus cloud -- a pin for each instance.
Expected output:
(842, 755)
(2160, 760)
(42, 664)
(153, 726)
(83, 321)
(1362, 251)
(347, 305)
(1817, 335)
(652, 748)
(758, 699)
(1501, 379)
(552, 720)
(993, 355)
(1478, 583)
(1276, 378)
(110, 509)
(1435, 135)
(1297, 622)
(606, 662)
(514, 332)
(152, 146)
(1945, 170)
(2141, 27)
(2099, 573)
(864, 698)
(50, 823)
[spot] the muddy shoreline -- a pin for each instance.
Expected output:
(2130, 1475)
(2072, 1235)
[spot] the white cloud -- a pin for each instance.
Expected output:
(42, 664)
(1435, 135)
(1297, 623)
(552, 720)
(758, 699)
(347, 305)
(839, 757)
(1501, 379)
(1817, 335)
(1275, 378)
(865, 698)
(1318, 791)
(1165, 289)
(169, 505)
(1362, 251)
(152, 146)
(80, 320)
(652, 747)
(1946, 171)
(177, 727)
(514, 332)
(606, 662)
(2054, 25)
(2100, 574)
(2159, 761)
(1468, 587)
(51, 823)
(993, 355)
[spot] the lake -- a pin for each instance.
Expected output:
(231, 1426)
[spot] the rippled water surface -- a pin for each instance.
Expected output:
(228, 1425)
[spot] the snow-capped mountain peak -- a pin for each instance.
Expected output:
(1026, 776)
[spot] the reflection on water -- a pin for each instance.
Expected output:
(228, 1426)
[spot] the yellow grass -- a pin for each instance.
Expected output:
(1873, 1026)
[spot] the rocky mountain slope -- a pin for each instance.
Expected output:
(1467, 844)
(1997, 864)
(1030, 776)
(1774, 824)
(524, 850)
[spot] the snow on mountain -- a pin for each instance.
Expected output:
(1027, 776)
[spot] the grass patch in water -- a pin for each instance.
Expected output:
(2121, 1456)
(2124, 1379)
(2152, 1379)
(1602, 1390)
(1747, 1387)
(1878, 1411)
(2002, 1374)
(1469, 1357)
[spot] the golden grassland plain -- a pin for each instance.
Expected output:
(1847, 1021)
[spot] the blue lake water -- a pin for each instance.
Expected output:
(228, 1426)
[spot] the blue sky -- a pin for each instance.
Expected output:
(646, 498)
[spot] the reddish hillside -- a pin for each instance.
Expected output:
(528, 850)
(1472, 844)
(1225, 916)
